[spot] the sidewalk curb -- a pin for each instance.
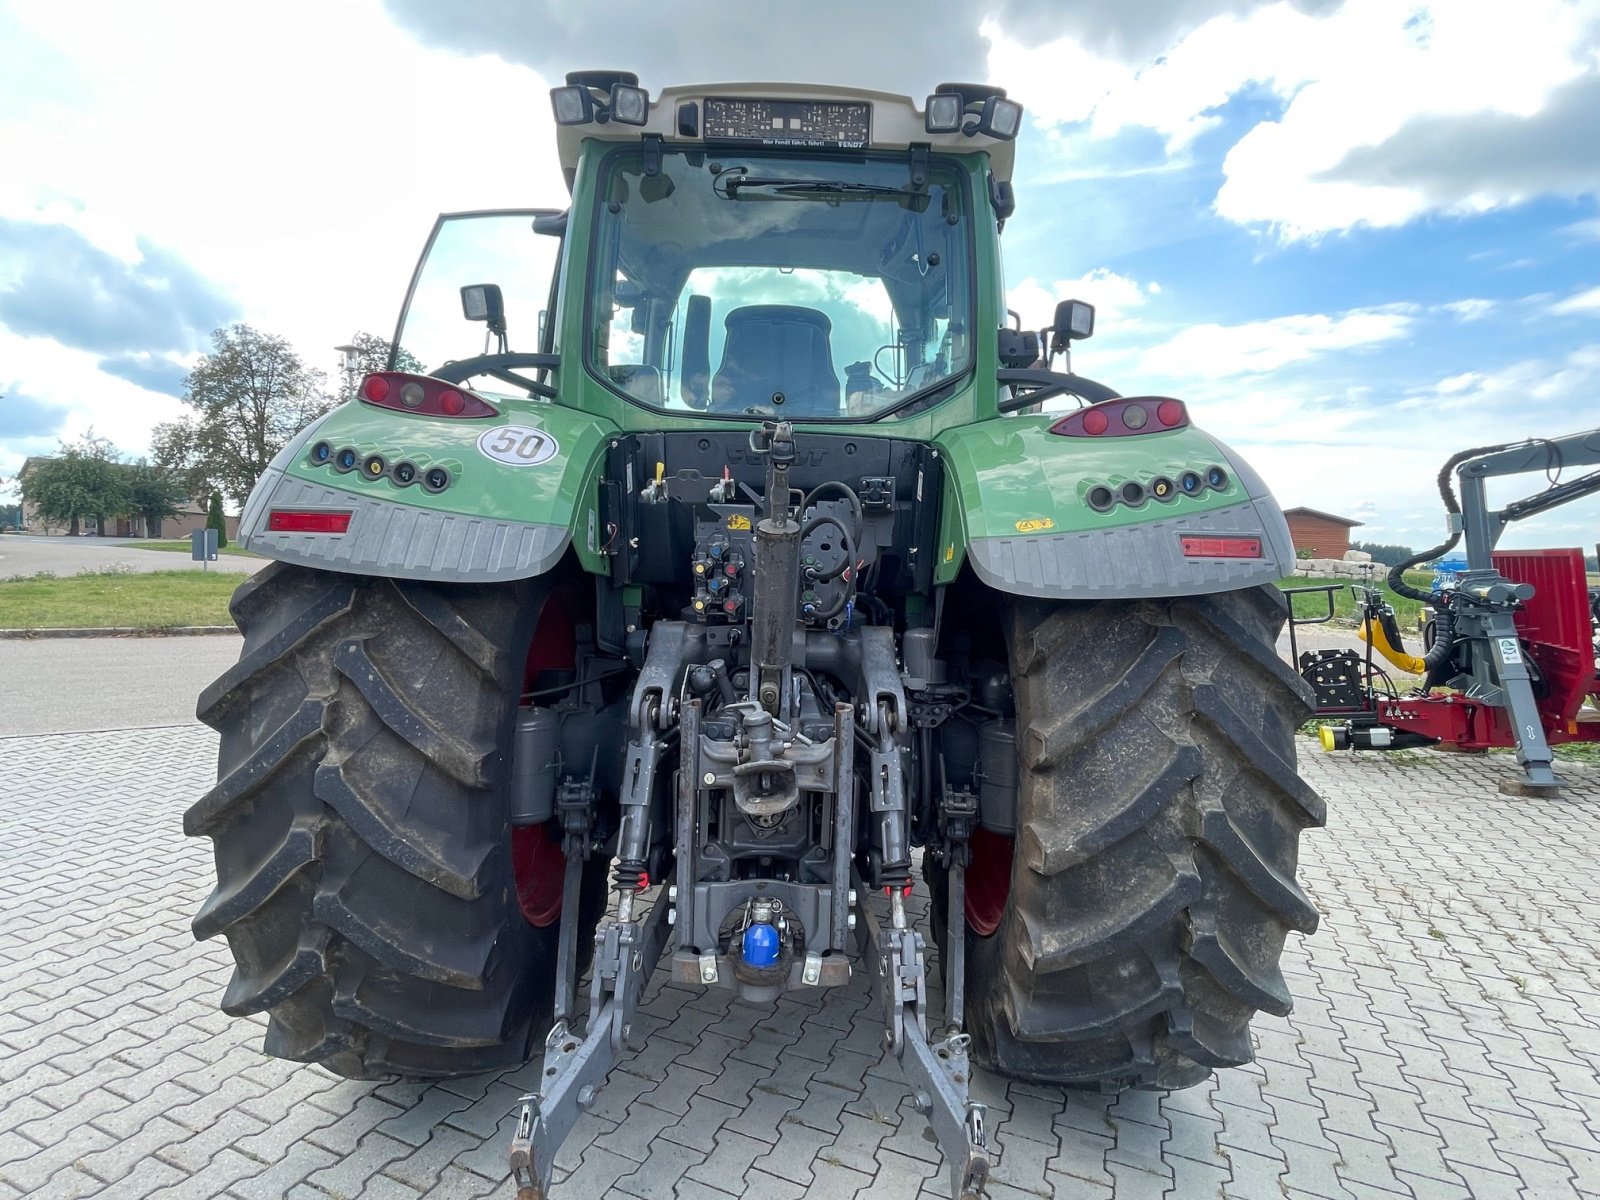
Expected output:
(120, 631)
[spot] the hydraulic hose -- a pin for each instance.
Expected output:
(845, 490)
(1438, 661)
(1447, 491)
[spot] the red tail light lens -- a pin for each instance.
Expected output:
(1127, 417)
(288, 520)
(420, 394)
(1221, 547)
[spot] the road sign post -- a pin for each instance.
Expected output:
(203, 547)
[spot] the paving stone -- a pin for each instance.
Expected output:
(1409, 1066)
(658, 1174)
(701, 1124)
(424, 1166)
(297, 1164)
(459, 1184)
(726, 1167)
(350, 1173)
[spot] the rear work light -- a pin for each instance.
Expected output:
(1196, 546)
(1124, 418)
(421, 394)
(292, 520)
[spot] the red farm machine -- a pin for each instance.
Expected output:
(1511, 644)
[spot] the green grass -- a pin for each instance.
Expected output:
(104, 599)
(1344, 601)
(181, 546)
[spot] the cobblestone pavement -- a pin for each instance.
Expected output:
(1445, 1040)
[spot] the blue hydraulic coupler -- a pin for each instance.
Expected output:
(760, 945)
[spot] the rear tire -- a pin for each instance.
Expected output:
(364, 872)
(1159, 814)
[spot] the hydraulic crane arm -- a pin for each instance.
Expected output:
(1482, 526)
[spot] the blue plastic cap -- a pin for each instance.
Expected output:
(760, 946)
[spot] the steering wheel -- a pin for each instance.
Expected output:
(499, 366)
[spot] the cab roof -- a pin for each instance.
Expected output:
(896, 122)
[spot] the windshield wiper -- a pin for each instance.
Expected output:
(816, 187)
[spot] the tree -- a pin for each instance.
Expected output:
(154, 493)
(1389, 556)
(250, 395)
(84, 481)
(372, 354)
(215, 520)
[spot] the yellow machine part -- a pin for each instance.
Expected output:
(1325, 736)
(1373, 632)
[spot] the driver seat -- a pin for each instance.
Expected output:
(774, 348)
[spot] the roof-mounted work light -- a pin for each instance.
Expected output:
(1000, 118)
(600, 96)
(951, 108)
(629, 105)
(572, 105)
(944, 112)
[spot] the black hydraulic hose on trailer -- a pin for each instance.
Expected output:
(1396, 578)
(1438, 660)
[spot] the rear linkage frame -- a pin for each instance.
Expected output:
(630, 944)
(629, 947)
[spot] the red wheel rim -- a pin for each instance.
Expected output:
(988, 881)
(536, 858)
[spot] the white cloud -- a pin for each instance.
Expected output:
(1470, 310)
(1351, 79)
(1257, 347)
(296, 158)
(1382, 66)
(1323, 447)
(1582, 302)
(1114, 296)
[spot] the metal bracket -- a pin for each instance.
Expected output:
(1484, 607)
(575, 808)
(937, 1072)
(958, 817)
(575, 1069)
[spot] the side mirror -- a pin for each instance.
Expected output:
(1074, 320)
(551, 222)
(482, 302)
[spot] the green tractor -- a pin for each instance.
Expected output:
(757, 573)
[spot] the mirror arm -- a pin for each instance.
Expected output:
(533, 388)
(1045, 384)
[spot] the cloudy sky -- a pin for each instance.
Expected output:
(1356, 236)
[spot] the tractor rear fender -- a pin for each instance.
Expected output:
(511, 504)
(1019, 504)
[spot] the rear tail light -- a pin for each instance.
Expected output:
(1124, 418)
(290, 520)
(1220, 547)
(421, 394)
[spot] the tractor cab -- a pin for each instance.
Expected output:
(747, 251)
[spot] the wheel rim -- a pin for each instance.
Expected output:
(988, 881)
(536, 857)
